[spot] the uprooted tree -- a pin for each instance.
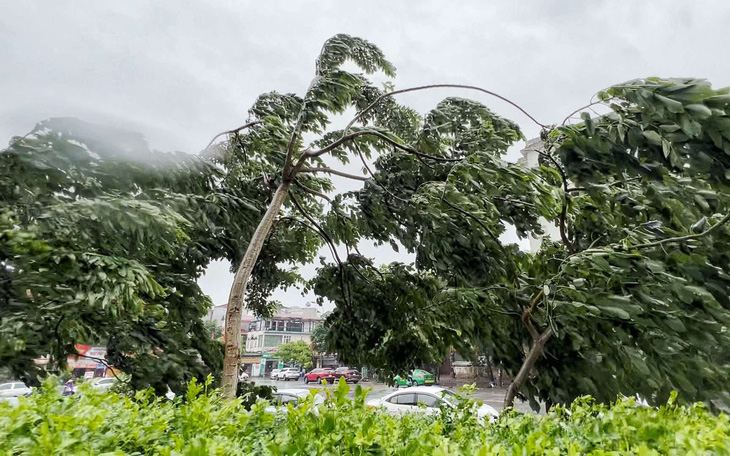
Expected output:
(632, 296)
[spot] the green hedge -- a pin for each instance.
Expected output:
(204, 424)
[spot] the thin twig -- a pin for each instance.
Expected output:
(333, 171)
(359, 115)
(383, 137)
(311, 191)
(102, 361)
(564, 207)
(612, 184)
(567, 118)
(684, 238)
(374, 180)
(235, 130)
(329, 241)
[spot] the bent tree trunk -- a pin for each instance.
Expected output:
(519, 380)
(238, 291)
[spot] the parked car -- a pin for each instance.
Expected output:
(243, 377)
(320, 375)
(291, 396)
(289, 373)
(14, 389)
(274, 373)
(428, 400)
(351, 375)
(103, 384)
(417, 377)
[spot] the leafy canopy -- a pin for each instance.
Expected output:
(630, 299)
(101, 242)
(298, 353)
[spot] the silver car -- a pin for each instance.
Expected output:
(103, 384)
(289, 373)
(274, 374)
(292, 396)
(14, 389)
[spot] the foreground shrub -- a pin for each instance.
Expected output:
(201, 423)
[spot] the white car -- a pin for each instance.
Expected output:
(243, 377)
(274, 374)
(291, 396)
(289, 373)
(14, 389)
(103, 384)
(413, 399)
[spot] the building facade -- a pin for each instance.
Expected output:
(530, 158)
(290, 324)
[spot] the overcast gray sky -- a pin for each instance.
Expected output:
(180, 72)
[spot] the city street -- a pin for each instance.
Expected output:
(490, 396)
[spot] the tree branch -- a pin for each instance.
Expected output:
(684, 238)
(311, 191)
(527, 315)
(383, 137)
(476, 219)
(564, 207)
(102, 361)
(328, 240)
(374, 180)
(359, 115)
(535, 351)
(612, 184)
(567, 118)
(333, 171)
(235, 130)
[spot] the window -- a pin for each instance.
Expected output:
(428, 400)
(6, 387)
(286, 339)
(294, 326)
(280, 325)
(272, 341)
(403, 399)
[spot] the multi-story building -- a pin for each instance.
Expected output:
(530, 158)
(290, 324)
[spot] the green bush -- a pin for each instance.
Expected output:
(201, 423)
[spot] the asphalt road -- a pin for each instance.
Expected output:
(490, 396)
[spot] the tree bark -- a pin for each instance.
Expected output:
(238, 291)
(519, 380)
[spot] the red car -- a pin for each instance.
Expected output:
(351, 375)
(320, 375)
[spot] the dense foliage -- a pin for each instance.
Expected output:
(632, 297)
(102, 241)
(203, 423)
